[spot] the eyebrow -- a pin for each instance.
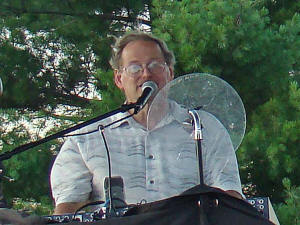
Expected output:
(138, 62)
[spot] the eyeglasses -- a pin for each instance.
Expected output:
(136, 70)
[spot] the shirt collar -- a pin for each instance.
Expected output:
(179, 112)
(120, 116)
(176, 112)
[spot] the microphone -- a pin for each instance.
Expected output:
(1, 87)
(149, 88)
(114, 193)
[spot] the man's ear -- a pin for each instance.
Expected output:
(117, 79)
(171, 73)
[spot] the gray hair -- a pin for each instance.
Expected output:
(121, 43)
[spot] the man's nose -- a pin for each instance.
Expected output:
(146, 72)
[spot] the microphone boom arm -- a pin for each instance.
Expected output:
(149, 88)
(25, 147)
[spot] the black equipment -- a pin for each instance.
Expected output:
(114, 196)
(261, 204)
(79, 217)
(221, 209)
(264, 206)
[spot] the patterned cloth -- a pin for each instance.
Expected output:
(154, 164)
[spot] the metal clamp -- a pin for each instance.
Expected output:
(196, 123)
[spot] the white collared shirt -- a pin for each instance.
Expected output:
(154, 164)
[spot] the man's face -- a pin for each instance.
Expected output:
(145, 54)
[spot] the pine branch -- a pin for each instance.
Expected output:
(105, 16)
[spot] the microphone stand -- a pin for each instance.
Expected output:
(203, 202)
(22, 148)
(148, 90)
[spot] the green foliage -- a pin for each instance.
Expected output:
(281, 10)
(111, 96)
(233, 40)
(31, 206)
(270, 150)
(29, 170)
(52, 49)
(288, 212)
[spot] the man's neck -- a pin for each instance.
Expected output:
(141, 116)
(157, 113)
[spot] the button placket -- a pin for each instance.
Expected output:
(151, 163)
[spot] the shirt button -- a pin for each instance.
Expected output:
(151, 181)
(151, 156)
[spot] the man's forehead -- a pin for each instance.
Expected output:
(139, 49)
(141, 41)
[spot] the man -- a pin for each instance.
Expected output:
(153, 163)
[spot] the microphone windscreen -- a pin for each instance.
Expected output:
(149, 84)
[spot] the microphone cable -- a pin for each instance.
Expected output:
(86, 205)
(111, 205)
(93, 131)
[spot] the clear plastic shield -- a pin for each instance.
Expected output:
(208, 93)
(223, 119)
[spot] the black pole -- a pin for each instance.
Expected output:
(200, 161)
(22, 148)
(203, 202)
